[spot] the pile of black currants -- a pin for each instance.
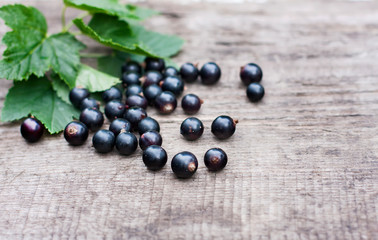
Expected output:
(126, 109)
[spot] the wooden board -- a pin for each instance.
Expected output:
(302, 163)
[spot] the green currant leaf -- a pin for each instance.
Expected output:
(60, 87)
(94, 80)
(111, 65)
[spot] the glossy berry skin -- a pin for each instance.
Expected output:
(89, 103)
(132, 66)
(191, 103)
(114, 109)
(215, 159)
(136, 101)
(76, 133)
(112, 93)
(189, 73)
(119, 125)
(250, 73)
(165, 102)
(191, 128)
(151, 92)
(170, 72)
(31, 129)
(129, 78)
(92, 118)
(255, 92)
(150, 138)
(103, 141)
(152, 77)
(154, 157)
(156, 64)
(148, 124)
(184, 164)
(77, 95)
(173, 84)
(134, 115)
(210, 73)
(126, 143)
(223, 127)
(133, 89)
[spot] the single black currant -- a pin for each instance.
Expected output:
(92, 118)
(132, 66)
(250, 73)
(126, 143)
(151, 77)
(184, 164)
(133, 89)
(112, 93)
(148, 124)
(150, 138)
(136, 101)
(156, 64)
(173, 84)
(134, 115)
(89, 103)
(151, 92)
(191, 128)
(191, 103)
(114, 109)
(129, 78)
(255, 92)
(76, 133)
(154, 157)
(103, 141)
(77, 95)
(119, 125)
(31, 129)
(189, 72)
(215, 159)
(166, 102)
(223, 127)
(210, 73)
(170, 71)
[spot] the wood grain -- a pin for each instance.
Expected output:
(302, 164)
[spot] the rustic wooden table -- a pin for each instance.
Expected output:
(302, 164)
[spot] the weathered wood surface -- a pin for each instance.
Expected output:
(302, 164)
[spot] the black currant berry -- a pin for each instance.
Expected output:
(119, 125)
(151, 92)
(191, 103)
(250, 73)
(255, 92)
(151, 77)
(170, 72)
(31, 129)
(132, 66)
(166, 102)
(112, 93)
(189, 72)
(77, 95)
(184, 164)
(156, 64)
(154, 157)
(76, 133)
(191, 128)
(114, 109)
(136, 101)
(103, 141)
(134, 115)
(129, 78)
(148, 124)
(210, 73)
(150, 138)
(215, 159)
(92, 118)
(223, 127)
(173, 84)
(133, 89)
(89, 103)
(126, 143)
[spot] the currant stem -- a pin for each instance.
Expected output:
(92, 55)
(63, 19)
